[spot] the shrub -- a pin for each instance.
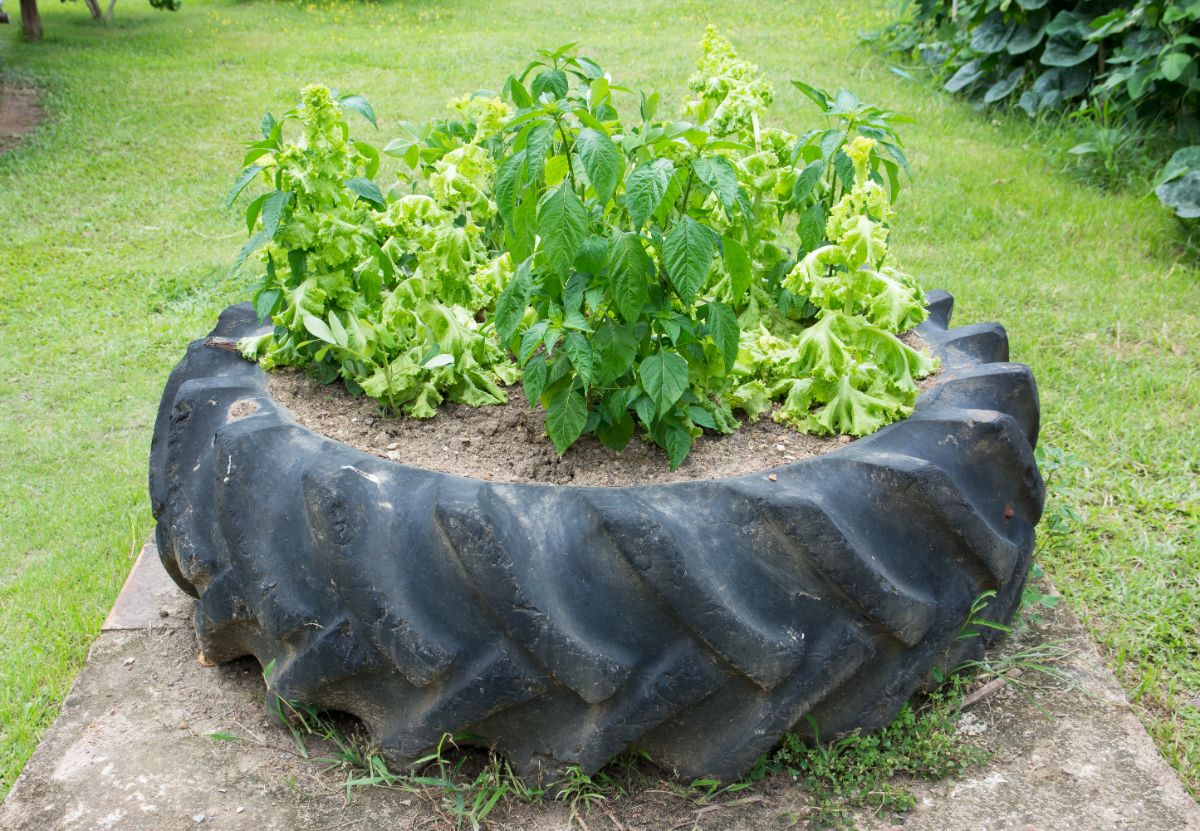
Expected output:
(1139, 55)
(643, 271)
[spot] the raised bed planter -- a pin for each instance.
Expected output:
(698, 620)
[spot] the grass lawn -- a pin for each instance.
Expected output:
(116, 251)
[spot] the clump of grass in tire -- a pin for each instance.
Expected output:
(858, 770)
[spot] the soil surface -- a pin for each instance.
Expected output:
(508, 442)
(20, 112)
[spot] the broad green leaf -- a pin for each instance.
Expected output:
(1061, 84)
(580, 352)
(817, 96)
(966, 75)
(1004, 87)
(831, 141)
(723, 328)
(1174, 64)
(371, 155)
(992, 35)
(510, 306)
(664, 377)
(368, 191)
(677, 441)
(521, 238)
(615, 348)
(565, 418)
(360, 105)
(601, 161)
(508, 184)
(534, 379)
(515, 90)
(1183, 160)
(272, 211)
(629, 267)
(531, 339)
(645, 188)
(807, 180)
(562, 224)
(252, 212)
(811, 227)
(1071, 23)
(264, 303)
(243, 179)
(1182, 195)
(719, 174)
(553, 81)
(1065, 50)
(407, 148)
(318, 328)
(896, 153)
(338, 330)
(737, 263)
(573, 297)
(701, 417)
(556, 170)
(249, 248)
(644, 407)
(615, 436)
(593, 255)
(844, 168)
(538, 142)
(687, 253)
(1025, 37)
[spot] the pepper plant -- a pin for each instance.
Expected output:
(646, 246)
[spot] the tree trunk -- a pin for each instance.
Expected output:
(112, 4)
(31, 21)
(94, 8)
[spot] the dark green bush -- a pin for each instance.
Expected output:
(1139, 55)
(1129, 68)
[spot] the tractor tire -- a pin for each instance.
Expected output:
(698, 621)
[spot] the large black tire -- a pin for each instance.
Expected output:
(697, 620)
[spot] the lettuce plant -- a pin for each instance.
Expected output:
(384, 293)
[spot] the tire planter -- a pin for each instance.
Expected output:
(696, 620)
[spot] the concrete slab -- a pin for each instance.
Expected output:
(149, 599)
(132, 750)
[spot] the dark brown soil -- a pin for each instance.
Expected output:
(508, 443)
(20, 112)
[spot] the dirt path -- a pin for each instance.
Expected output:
(20, 113)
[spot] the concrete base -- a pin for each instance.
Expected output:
(132, 750)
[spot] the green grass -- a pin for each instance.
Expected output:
(116, 252)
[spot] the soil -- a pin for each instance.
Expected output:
(20, 112)
(508, 443)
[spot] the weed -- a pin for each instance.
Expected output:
(857, 771)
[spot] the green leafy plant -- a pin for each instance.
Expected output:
(385, 293)
(1139, 55)
(647, 274)
(653, 257)
(860, 771)
(1179, 183)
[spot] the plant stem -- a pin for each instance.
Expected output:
(567, 153)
